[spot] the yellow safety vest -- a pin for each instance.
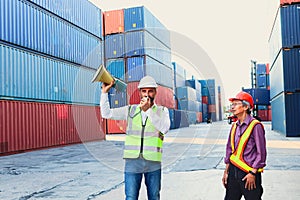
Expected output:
(236, 157)
(141, 139)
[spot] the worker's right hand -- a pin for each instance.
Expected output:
(224, 179)
(106, 87)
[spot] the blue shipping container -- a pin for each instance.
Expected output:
(284, 75)
(186, 93)
(116, 67)
(82, 13)
(114, 46)
(140, 18)
(286, 31)
(29, 26)
(25, 75)
(286, 114)
(139, 43)
(260, 96)
(138, 67)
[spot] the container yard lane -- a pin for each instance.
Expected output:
(192, 168)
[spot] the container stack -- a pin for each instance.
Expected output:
(137, 44)
(284, 44)
(208, 93)
(260, 92)
(49, 53)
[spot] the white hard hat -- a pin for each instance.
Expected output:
(147, 82)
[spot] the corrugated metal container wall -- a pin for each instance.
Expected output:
(290, 20)
(139, 43)
(165, 96)
(117, 99)
(32, 76)
(285, 32)
(284, 2)
(116, 126)
(29, 125)
(186, 93)
(114, 21)
(261, 69)
(138, 67)
(193, 84)
(58, 38)
(82, 13)
(260, 96)
(284, 75)
(286, 114)
(179, 75)
(139, 18)
(114, 46)
(116, 67)
(192, 117)
(178, 119)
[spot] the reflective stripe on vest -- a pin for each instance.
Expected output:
(236, 157)
(145, 140)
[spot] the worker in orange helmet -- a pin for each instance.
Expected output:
(245, 152)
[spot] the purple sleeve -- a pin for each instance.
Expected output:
(228, 149)
(260, 142)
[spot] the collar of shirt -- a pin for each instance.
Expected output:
(246, 121)
(144, 114)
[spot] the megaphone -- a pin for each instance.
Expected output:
(102, 75)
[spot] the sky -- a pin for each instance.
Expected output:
(226, 35)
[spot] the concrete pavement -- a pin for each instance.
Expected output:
(192, 168)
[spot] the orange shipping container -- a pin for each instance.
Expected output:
(284, 2)
(114, 21)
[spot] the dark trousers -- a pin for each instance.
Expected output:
(236, 187)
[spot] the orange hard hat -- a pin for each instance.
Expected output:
(243, 96)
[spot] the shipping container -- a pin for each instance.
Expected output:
(116, 67)
(116, 126)
(190, 105)
(139, 43)
(117, 99)
(285, 32)
(34, 125)
(284, 75)
(193, 84)
(178, 118)
(260, 96)
(179, 75)
(140, 18)
(186, 93)
(113, 21)
(81, 13)
(114, 46)
(286, 114)
(26, 75)
(34, 28)
(261, 69)
(164, 97)
(140, 66)
(192, 117)
(287, 2)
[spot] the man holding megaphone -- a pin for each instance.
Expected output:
(146, 125)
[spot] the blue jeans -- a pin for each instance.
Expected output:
(134, 171)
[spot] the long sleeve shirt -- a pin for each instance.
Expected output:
(161, 123)
(255, 152)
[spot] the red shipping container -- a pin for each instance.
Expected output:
(33, 125)
(116, 126)
(113, 21)
(263, 115)
(211, 108)
(205, 99)
(285, 2)
(164, 97)
(199, 117)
